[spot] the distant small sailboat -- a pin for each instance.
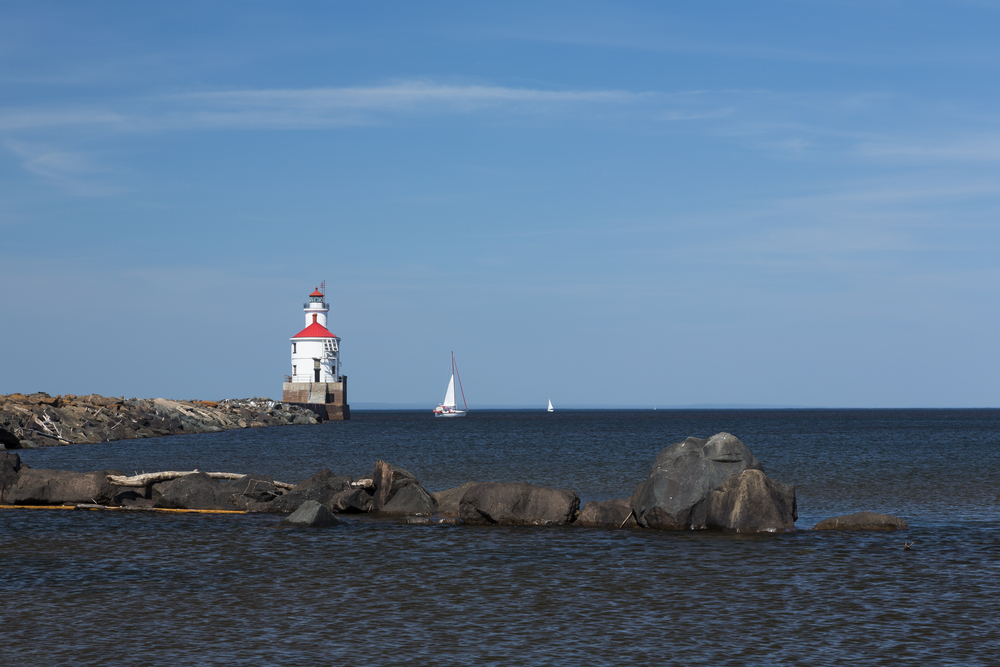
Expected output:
(550, 406)
(449, 407)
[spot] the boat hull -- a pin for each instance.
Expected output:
(460, 413)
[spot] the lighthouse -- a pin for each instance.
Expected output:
(316, 380)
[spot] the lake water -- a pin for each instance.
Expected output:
(147, 588)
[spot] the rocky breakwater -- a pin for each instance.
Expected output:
(40, 420)
(697, 484)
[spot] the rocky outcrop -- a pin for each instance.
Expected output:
(863, 521)
(40, 420)
(518, 503)
(684, 475)
(695, 484)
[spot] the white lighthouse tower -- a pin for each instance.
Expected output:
(316, 379)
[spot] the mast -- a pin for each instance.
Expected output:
(454, 371)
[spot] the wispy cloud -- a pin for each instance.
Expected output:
(73, 172)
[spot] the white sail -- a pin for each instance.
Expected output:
(449, 396)
(449, 408)
(550, 405)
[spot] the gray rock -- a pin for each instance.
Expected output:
(255, 488)
(322, 492)
(311, 514)
(10, 467)
(196, 491)
(615, 513)
(37, 486)
(684, 474)
(863, 521)
(350, 500)
(518, 503)
(447, 501)
(388, 480)
(747, 503)
(412, 500)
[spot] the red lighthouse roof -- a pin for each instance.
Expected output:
(314, 330)
(316, 292)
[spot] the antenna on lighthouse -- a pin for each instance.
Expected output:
(322, 288)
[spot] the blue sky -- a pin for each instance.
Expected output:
(612, 204)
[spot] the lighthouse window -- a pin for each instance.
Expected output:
(294, 371)
(293, 348)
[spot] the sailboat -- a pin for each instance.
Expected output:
(449, 407)
(550, 406)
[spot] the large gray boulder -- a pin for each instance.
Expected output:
(411, 500)
(311, 514)
(448, 501)
(616, 513)
(37, 486)
(863, 521)
(518, 503)
(746, 503)
(388, 480)
(684, 475)
(196, 491)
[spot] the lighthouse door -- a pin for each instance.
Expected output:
(316, 369)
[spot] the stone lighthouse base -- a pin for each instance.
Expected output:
(326, 399)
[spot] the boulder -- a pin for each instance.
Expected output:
(10, 467)
(447, 501)
(746, 503)
(351, 500)
(196, 491)
(615, 513)
(684, 474)
(411, 500)
(518, 503)
(311, 514)
(37, 486)
(863, 521)
(322, 492)
(388, 479)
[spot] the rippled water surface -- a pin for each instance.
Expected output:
(143, 588)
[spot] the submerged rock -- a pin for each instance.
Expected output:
(616, 513)
(311, 515)
(863, 521)
(518, 503)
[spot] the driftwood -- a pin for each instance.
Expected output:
(154, 477)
